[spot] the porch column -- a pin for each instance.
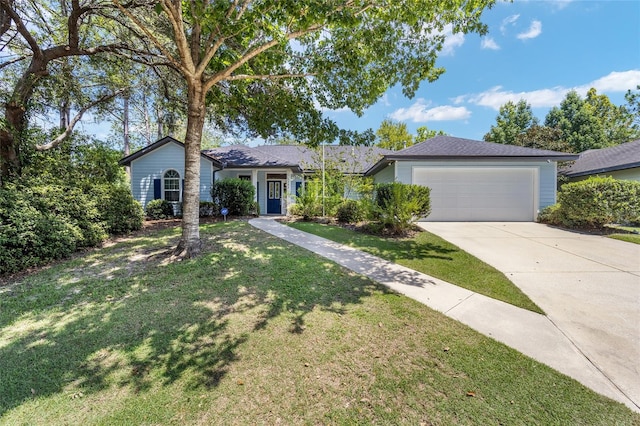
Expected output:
(254, 182)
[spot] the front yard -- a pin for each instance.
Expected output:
(255, 331)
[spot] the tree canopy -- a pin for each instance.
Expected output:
(265, 67)
(513, 120)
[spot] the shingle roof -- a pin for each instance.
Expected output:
(619, 157)
(126, 161)
(348, 159)
(449, 147)
(247, 157)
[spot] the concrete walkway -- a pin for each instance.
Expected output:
(530, 333)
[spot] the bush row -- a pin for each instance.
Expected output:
(45, 222)
(236, 195)
(595, 202)
(392, 206)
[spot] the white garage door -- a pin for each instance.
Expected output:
(479, 193)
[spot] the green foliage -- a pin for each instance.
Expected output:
(42, 223)
(120, 212)
(591, 123)
(512, 120)
(235, 194)
(79, 162)
(393, 135)
(309, 201)
(350, 211)
(159, 209)
(423, 133)
(594, 203)
(397, 205)
(208, 209)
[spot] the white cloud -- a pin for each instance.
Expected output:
(489, 43)
(420, 112)
(452, 41)
(508, 21)
(545, 98)
(534, 31)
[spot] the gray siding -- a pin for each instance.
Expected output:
(386, 175)
(627, 174)
(546, 175)
(153, 165)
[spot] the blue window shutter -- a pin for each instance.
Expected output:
(157, 189)
(298, 186)
(182, 195)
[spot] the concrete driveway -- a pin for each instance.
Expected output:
(588, 285)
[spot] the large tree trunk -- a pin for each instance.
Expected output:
(190, 244)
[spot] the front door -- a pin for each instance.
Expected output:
(274, 197)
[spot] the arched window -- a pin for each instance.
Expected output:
(171, 181)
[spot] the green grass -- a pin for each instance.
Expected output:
(430, 254)
(630, 238)
(255, 331)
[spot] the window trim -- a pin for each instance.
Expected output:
(179, 190)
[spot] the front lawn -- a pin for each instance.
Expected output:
(430, 254)
(630, 238)
(255, 331)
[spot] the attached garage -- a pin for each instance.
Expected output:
(480, 193)
(475, 180)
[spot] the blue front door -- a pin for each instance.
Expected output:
(274, 197)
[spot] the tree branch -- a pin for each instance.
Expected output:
(266, 76)
(149, 34)
(65, 134)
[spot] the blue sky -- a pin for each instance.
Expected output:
(536, 50)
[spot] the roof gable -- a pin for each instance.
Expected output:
(619, 157)
(126, 161)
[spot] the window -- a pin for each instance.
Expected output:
(244, 177)
(171, 181)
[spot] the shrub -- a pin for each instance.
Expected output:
(308, 201)
(397, 205)
(120, 212)
(235, 194)
(74, 207)
(42, 223)
(350, 211)
(595, 202)
(207, 209)
(159, 209)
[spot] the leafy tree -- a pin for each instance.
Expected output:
(591, 123)
(543, 137)
(512, 121)
(393, 135)
(43, 37)
(633, 107)
(424, 133)
(239, 63)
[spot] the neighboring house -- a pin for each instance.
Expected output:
(276, 171)
(620, 162)
(469, 180)
(474, 180)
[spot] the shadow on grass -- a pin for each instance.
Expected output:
(392, 249)
(125, 317)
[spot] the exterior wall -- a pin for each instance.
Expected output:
(546, 174)
(386, 175)
(627, 174)
(261, 184)
(153, 165)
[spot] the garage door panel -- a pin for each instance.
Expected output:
(479, 193)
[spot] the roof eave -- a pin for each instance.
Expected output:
(603, 170)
